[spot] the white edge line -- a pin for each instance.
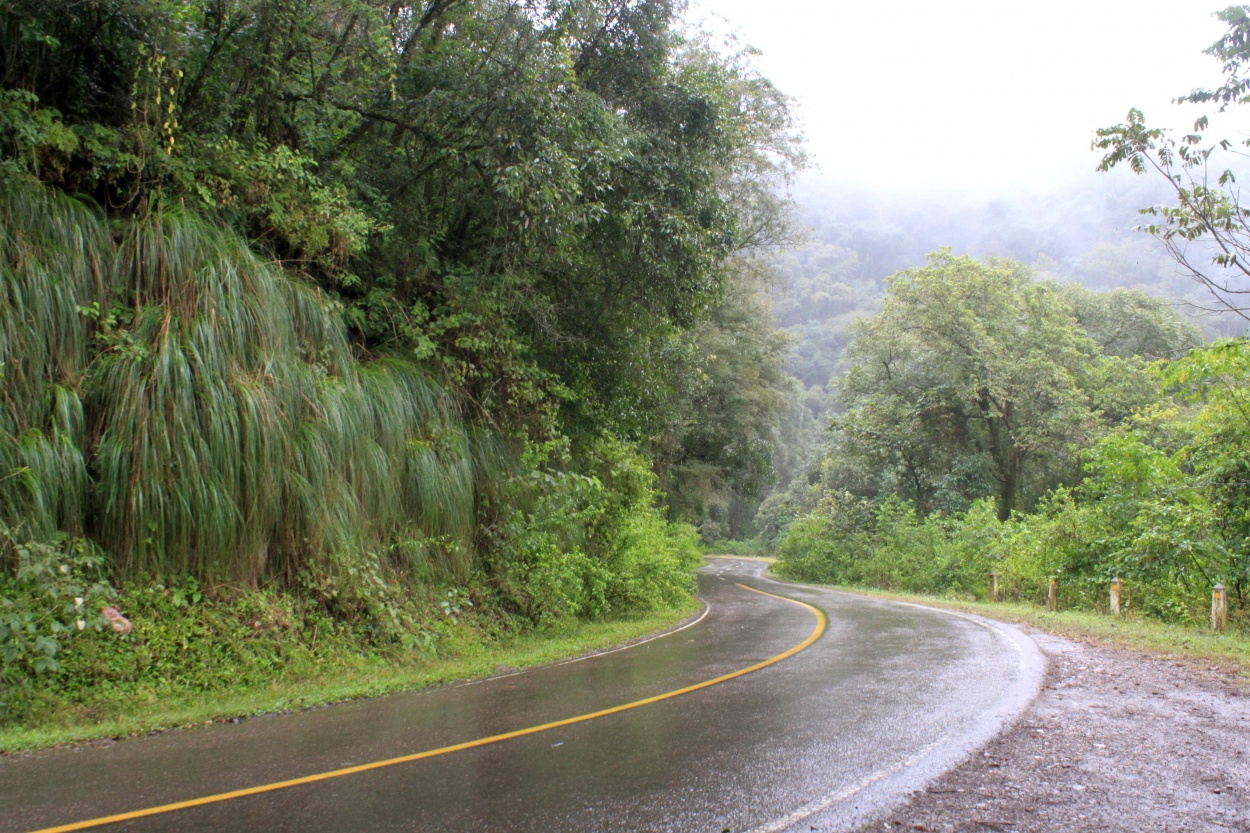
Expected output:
(821, 804)
(1005, 630)
(707, 608)
(1008, 633)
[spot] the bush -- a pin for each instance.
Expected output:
(826, 544)
(723, 546)
(187, 636)
(1083, 544)
(589, 546)
(652, 565)
(56, 594)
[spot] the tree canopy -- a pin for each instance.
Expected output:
(977, 379)
(351, 276)
(539, 195)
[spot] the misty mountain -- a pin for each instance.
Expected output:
(1080, 231)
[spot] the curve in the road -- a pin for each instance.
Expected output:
(88, 824)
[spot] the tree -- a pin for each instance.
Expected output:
(1127, 322)
(975, 379)
(536, 211)
(1207, 230)
(715, 455)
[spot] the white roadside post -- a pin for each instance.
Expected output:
(1115, 596)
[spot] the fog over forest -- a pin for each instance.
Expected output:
(852, 238)
(1082, 231)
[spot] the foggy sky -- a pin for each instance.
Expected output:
(981, 96)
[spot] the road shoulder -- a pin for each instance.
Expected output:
(1116, 740)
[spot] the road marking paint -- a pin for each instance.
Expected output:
(707, 608)
(821, 622)
(998, 629)
(809, 810)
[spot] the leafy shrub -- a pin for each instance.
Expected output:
(56, 592)
(826, 544)
(543, 568)
(580, 545)
(359, 590)
(187, 636)
(650, 568)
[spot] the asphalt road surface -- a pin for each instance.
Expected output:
(838, 720)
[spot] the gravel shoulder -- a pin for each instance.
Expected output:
(1115, 741)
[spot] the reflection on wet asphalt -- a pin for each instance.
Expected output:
(890, 695)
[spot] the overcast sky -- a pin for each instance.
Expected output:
(976, 95)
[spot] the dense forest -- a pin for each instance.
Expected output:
(353, 328)
(392, 314)
(1054, 408)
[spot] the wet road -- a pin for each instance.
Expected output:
(887, 697)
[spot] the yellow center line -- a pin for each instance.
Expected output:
(457, 747)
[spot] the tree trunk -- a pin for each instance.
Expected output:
(1008, 499)
(1008, 461)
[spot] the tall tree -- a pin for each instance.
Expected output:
(715, 455)
(975, 379)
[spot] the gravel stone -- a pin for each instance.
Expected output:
(1115, 741)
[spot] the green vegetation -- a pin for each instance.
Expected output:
(1074, 233)
(324, 319)
(1009, 439)
(750, 547)
(997, 422)
(347, 335)
(1229, 651)
(282, 669)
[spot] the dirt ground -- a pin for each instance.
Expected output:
(1116, 741)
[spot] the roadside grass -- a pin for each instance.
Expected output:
(1229, 651)
(351, 679)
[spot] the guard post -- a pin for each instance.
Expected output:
(1219, 608)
